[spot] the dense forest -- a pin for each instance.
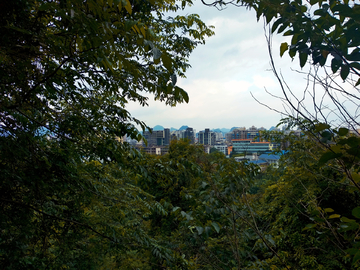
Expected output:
(74, 197)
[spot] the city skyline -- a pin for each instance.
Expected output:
(161, 127)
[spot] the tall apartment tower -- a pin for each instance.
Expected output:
(207, 137)
(189, 134)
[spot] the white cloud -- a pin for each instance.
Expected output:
(262, 81)
(224, 71)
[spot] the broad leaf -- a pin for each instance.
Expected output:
(283, 48)
(356, 212)
(344, 71)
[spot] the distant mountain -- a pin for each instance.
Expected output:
(183, 128)
(172, 129)
(158, 127)
(225, 130)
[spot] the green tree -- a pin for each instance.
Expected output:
(169, 179)
(204, 198)
(307, 214)
(300, 206)
(67, 70)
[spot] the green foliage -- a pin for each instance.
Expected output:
(302, 214)
(204, 196)
(71, 67)
(67, 70)
(323, 171)
(319, 29)
(73, 197)
(305, 214)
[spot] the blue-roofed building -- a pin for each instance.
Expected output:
(272, 159)
(265, 160)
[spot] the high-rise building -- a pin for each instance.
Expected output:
(207, 137)
(157, 137)
(188, 133)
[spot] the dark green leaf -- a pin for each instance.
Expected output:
(355, 65)
(283, 48)
(356, 257)
(356, 212)
(321, 126)
(282, 28)
(328, 156)
(343, 131)
(303, 58)
(344, 10)
(200, 229)
(347, 220)
(344, 71)
(276, 24)
(358, 82)
(288, 33)
(335, 64)
(354, 56)
(173, 79)
(166, 61)
(216, 226)
(309, 226)
(352, 251)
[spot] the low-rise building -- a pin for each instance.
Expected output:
(248, 146)
(154, 150)
(222, 148)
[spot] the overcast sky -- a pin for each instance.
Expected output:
(225, 71)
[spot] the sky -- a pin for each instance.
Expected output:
(232, 65)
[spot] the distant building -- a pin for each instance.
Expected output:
(219, 137)
(207, 149)
(157, 137)
(238, 133)
(253, 133)
(265, 160)
(207, 137)
(223, 148)
(154, 150)
(243, 133)
(188, 133)
(270, 159)
(248, 146)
